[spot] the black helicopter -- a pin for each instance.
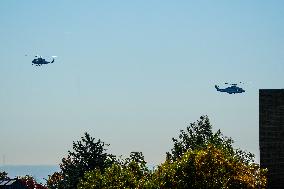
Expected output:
(232, 89)
(39, 61)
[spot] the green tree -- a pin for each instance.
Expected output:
(200, 158)
(54, 181)
(209, 167)
(3, 175)
(198, 135)
(131, 173)
(87, 155)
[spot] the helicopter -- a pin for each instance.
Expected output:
(232, 89)
(39, 61)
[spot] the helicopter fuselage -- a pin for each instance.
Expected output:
(40, 61)
(231, 90)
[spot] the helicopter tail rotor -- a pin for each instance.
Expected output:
(53, 58)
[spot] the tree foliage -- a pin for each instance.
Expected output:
(200, 158)
(131, 173)
(209, 167)
(55, 180)
(87, 155)
(31, 183)
(198, 135)
(3, 175)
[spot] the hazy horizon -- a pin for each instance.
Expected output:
(38, 172)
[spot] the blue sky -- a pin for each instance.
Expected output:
(132, 73)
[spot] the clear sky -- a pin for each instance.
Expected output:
(132, 73)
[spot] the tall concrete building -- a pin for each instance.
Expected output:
(271, 135)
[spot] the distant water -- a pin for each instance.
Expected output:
(39, 172)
